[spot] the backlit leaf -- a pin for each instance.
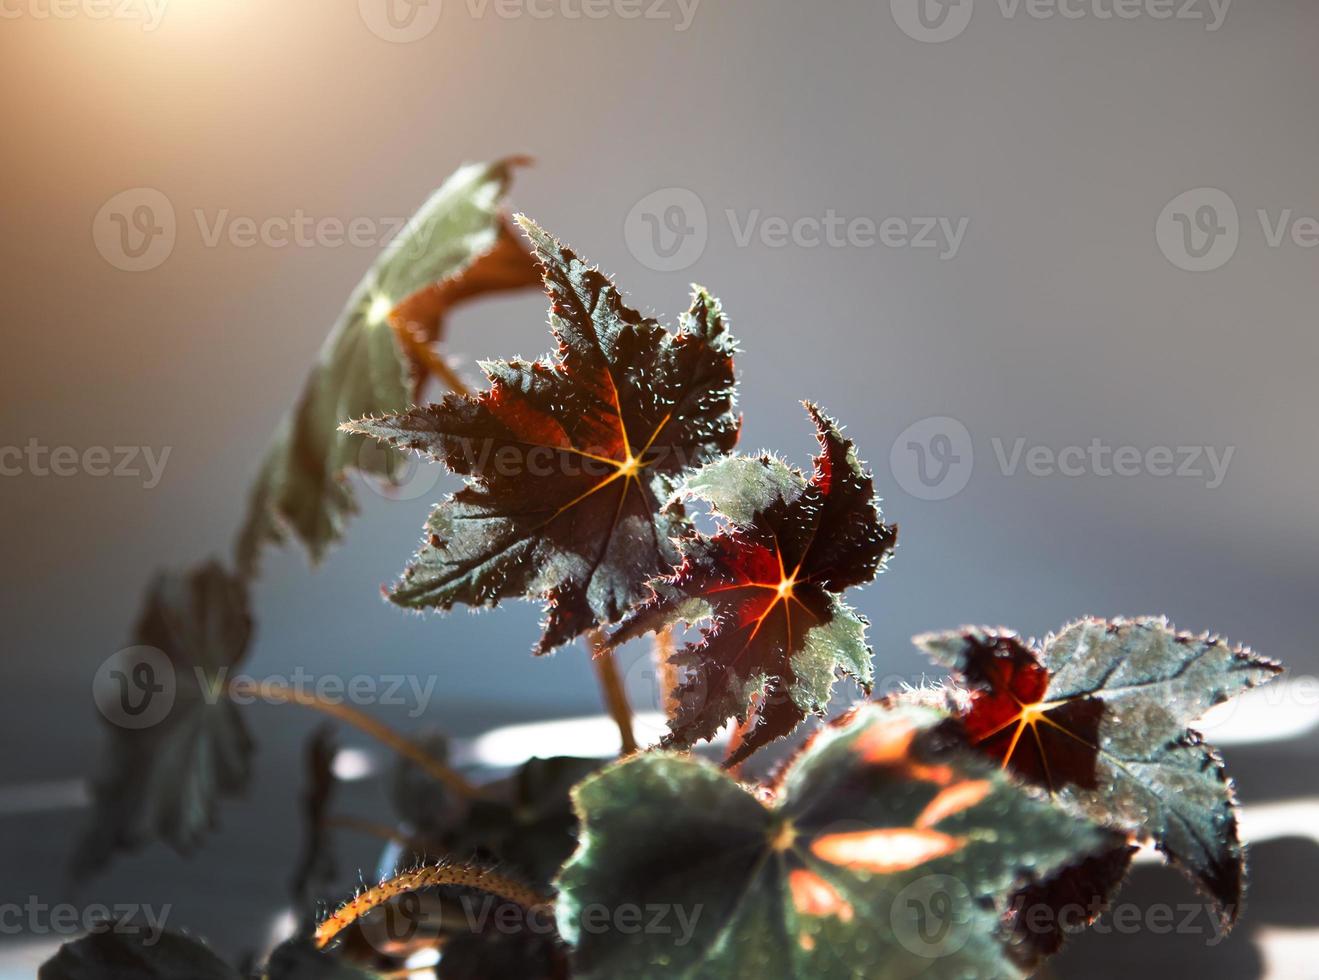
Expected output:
(569, 459)
(886, 850)
(1100, 715)
(768, 585)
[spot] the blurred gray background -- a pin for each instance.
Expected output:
(755, 146)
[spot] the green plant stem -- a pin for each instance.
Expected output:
(611, 685)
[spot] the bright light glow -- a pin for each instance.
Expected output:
(419, 964)
(1285, 709)
(379, 310)
(1264, 821)
(786, 586)
(350, 765)
(282, 929)
(594, 737)
(1268, 821)
(630, 466)
(21, 960)
(1287, 952)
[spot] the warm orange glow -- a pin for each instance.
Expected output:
(885, 851)
(953, 799)
(812, 895)
(785, 835)
(885, 743)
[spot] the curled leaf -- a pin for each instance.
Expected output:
(457, 247)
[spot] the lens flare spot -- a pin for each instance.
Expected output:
(885, 851)
(812, 895)
(953, 799)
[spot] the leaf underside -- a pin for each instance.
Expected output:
(768, 587)
(568, 460)
(1100, 716)
(883, 854)
(456, 248)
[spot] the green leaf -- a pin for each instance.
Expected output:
(570, 459)
(769, 587)
(886, 850)
(1100, 715)
(458, 246)
(116, 955)
(177, 744)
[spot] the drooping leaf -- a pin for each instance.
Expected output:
(177, 744)
(119, 955)
(457, 247)
(885, 851)
(770, 585)
(1100, 715)
(569, 459)
(316, 866)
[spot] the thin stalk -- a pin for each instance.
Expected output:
(363, 722)
(429, 358)
(666, 671)
(611, 685)
(416, 879)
